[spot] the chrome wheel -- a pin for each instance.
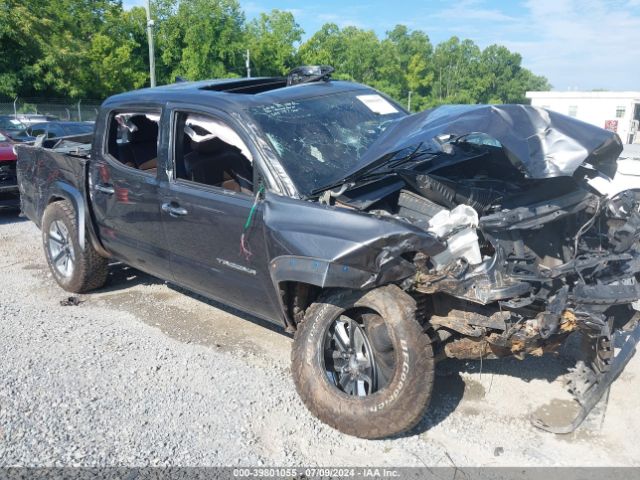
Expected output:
(61, 249)
(349, 359)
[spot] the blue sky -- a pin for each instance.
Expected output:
(576, 44)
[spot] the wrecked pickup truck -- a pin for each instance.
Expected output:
(384, 241)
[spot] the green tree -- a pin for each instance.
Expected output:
(412, 57)
(20, 32)
(503, 78)
(200, 39)
(64, 46)
(117, 55)
(74, 48)
(94, 48)
(273, 39)
(456, 72)
(325, 47)
(353, 52)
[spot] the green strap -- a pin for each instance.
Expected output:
(253, 208)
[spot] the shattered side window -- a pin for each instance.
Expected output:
(207, 151)
(201, 129)
(133, 140)
(321, 138)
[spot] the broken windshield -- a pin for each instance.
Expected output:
(321, 138)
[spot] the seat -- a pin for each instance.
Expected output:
(141, 151)
(219, 164)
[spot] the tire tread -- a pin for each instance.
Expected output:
(91, 269)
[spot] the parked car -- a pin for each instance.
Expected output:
(29, 119)
(383, 241)
(59, 129)
(14, 129)
(8, 181)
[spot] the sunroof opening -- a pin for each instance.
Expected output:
(248, 85)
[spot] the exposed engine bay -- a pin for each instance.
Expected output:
(528, 260)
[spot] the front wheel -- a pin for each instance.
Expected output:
(75, 269)
(363, 364)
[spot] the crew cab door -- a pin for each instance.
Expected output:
(124, 189)
(207, 199)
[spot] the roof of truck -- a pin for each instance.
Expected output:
(233, 91)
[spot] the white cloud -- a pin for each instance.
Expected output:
(581, 44)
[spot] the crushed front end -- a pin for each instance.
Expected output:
(566, 264)
(541, 240)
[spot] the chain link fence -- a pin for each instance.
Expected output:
(83, 110)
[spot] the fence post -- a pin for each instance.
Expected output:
(15, 109)
(79, 111)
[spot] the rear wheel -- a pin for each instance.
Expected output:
(75, 269)
(362, 363)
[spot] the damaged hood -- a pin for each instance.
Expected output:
(541, 143)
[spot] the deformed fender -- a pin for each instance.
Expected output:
(61, 189)
(338, 247)
(45, 176)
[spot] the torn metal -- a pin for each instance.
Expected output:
(509, 220)
(540, 142)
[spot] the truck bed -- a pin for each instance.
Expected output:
(50, 170)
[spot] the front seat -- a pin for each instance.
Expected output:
(217, 163)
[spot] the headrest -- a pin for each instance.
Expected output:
(208, 146)
(146, 130)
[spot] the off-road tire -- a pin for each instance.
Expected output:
(90, 269)
(394, 409)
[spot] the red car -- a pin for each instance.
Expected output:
(8, 184)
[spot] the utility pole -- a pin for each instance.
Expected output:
(248, 63)
(152, 56)
(409, 101)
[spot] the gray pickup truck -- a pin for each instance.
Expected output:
(383, 241)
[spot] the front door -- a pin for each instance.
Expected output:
(125, 193)
(216, 248)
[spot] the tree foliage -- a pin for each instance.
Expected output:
(272, 40)
(200, 39)
(95, 48)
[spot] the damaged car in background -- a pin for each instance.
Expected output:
(383, 241)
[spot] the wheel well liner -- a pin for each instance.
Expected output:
(64, 191)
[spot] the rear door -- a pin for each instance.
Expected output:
(125, 198)
(206, 210)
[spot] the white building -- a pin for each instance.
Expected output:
(616, 111)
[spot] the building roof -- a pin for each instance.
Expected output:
(591, 95)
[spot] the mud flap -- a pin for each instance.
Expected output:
(599, 385)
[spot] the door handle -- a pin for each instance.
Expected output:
(174, 210)
(108, 189)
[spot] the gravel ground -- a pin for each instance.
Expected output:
(142, 373)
